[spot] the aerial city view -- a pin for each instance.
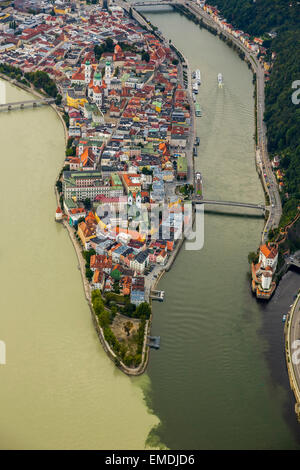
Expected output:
(150, 261)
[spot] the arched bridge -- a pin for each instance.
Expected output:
(26, 104)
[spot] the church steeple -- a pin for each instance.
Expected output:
(130, 198)
(138, 199)
(87, 72)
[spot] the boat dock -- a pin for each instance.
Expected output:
(153, 342)
(157, 295)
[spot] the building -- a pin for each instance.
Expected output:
(132, 183)
(262, 272)
(268, 256)
(88, 184)
(137, 295)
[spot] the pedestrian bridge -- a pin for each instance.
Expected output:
(262, 207)
(26, 104)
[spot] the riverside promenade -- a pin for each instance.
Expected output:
(292, 342)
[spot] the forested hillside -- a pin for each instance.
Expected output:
(282, 116)
(260, 16)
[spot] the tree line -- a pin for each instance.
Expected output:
(282, 117)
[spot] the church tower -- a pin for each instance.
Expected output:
(87, 72)
(97, 79)
(108, 72)
(138, 200)
(130, 198)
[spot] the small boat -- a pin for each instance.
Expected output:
(198, 111)
(197, 76)
(220, 80)
(195, 87)
(199, 185)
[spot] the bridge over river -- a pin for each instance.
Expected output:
(26, 104)
(149, 3)
(249, 205)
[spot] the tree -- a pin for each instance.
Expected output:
(146, 171)
(104, 318)
(59, 186)
(66, 119)
(89, 274)
(143, 311)
(98, 304)
(129, 308)
(42, 80)
(71, 152)
(113, 312)
(123, 351)
(109, 45)
(128, 360)
(127, 327)
(87, 203)
(58, 100)
(253, 257)
(145, 56)
(116, 287)
(87, 254)
(70, 142)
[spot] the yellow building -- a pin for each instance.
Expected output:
(86, 232)
(75, 102)
(62, 11)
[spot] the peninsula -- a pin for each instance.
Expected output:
(122, 94)
(125, 98)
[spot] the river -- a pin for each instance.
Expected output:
(58, 388)
(213, 384)
(219, 379)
